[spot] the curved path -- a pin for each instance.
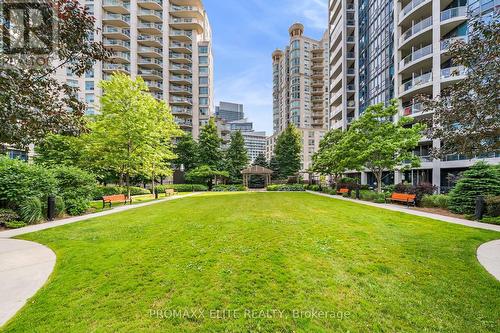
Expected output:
(24, 268)
(488, 255)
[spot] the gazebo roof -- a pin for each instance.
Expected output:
(256, 170)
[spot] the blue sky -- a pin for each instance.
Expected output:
(245, 33)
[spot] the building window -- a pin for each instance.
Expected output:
(203, 90)
(203, 70)
(89, 98)
(89, 74)
(203, 101)
(89, 85)
(203, 80)
(203, 49)
(203, 60)
(204, 111)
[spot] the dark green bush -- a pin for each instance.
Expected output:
(419, 190)
(102, 191)
(229, 188)
(480, 180)
(135, 190)
(15, 224)
(368, 195)
(20, 181)
(75, 185)
(491, 220)
(286, 188)
(187, 187)
(31, 211)
(8, 215)
(435, 201)
(77, 206)
(493, 206)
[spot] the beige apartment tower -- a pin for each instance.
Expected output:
(300, 74)
(167, 43)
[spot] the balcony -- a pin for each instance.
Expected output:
(412, 109)
(411, 7)
(151, 74)
(120, 57)
(116, 45)
(154, 85)
(445, 44)
(415, 56)
(115, 32)
(181, 47)
(181, 69)
(181, 35)
(180, 90)
(181, 101)
(180, 58)
(111, 68)
(183, 23)
(150, 15)
(184, 123)
(151, 4)
(117, 20)
(415, 29)
(416, 82)
(181, 111)
(350, 88)
(150, 63)
(181, 79)
(186, 11)
(150, 40)
(454, 13)
(150, 52)
(116, 6)
(150, 28)
(453, 73)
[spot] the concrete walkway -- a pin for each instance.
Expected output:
(26, 266)
(488, 254)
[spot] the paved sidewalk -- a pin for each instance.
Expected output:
(488, 255)
(49, 225)
(403, 209)
(24, 268)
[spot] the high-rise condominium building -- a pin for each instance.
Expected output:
(397, 49)
(167, 43)
(300, 73)
(255, 143)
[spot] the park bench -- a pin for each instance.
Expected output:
(109, 199)
(343, 191)
(403, 197)
(169, 192)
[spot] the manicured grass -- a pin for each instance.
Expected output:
(369, 270)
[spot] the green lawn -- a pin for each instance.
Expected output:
(368, 270)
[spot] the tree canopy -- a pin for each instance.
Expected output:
(287, 152)
(261, 160)
(187, 152)
(33, 103)
(329, 159)
(210, 152)
(236, 156)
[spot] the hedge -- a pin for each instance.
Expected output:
(286, 188)
(183, 188)
(229, 188)
(435, 201)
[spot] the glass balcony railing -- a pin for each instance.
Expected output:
(446, 73)
(453, 12)
(412, 109)
(445, 44)
(415, 55)
(409, 7)
(425, 23)
(115, 42)
(417, 81)
(150, 72)
(149, 38)
(113, 16)
(114, 30)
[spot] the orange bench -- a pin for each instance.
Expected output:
(403, 197)
(114, 198)
(343, 191)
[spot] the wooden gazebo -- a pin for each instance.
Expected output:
(256, 170)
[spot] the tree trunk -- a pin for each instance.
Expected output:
(153, 183)
(378, 176)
